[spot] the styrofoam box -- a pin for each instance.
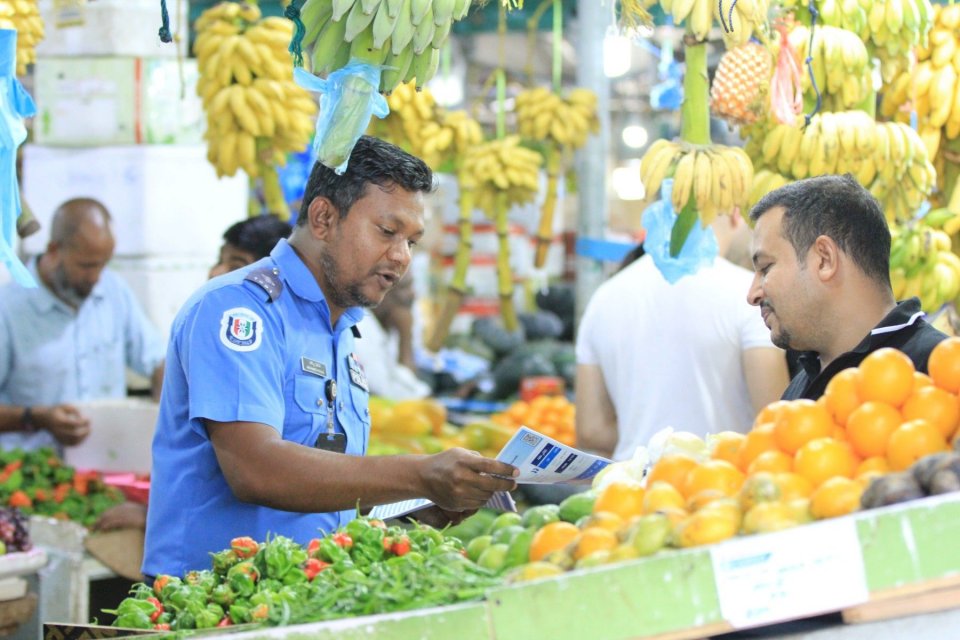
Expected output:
(90, 101)
(121, 433)
(165, 199)
(112, 28)
(163, 283)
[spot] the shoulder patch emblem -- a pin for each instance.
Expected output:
(241, 329)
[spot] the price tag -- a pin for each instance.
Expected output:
(791, 574)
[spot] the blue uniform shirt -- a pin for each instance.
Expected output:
(52, 354)
(235, 355)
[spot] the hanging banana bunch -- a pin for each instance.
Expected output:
(256, 115)
(561, 125)
(24, 16)
(405, 36)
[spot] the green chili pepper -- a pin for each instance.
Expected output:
(239, 613)
(222, 594)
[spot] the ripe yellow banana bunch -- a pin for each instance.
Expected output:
(832, 143)
(765, 181)
(840, 64)
(717, 177)
(922, 264)
(256, 114)
(904, 176)
(738, 21)
(431, 133)
(501, 166)
(544, 115)
(24, 16)
(405, 36)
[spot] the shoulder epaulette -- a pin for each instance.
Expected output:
(268, 279)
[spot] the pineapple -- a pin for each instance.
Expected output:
(741, 85)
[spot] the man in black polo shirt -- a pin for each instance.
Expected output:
(821, 257)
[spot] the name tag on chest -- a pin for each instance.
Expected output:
(314, 367)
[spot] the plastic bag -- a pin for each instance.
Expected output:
(698, 251)
(15, 105)
(349, 97)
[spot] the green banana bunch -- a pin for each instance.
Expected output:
(923, 265)
(402, 36)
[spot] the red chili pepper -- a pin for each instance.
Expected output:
(160, 582)
(158, 611)
(19, 499)
(81, 483)
(343, 540)
(387, 543)
(377, 524)
(401, 547)
(12, 466)
(226, 622)
(313, 566)
(162, 627)
(61, 492)
(260, 612)
(40, 495)
(313, 547)
(245, 547)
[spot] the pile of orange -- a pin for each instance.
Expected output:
(552, 416)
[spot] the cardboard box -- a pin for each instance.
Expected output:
(61, 631)
(165, 199)
(85, 101)
(112, 28)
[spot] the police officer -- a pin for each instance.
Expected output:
(264, 419)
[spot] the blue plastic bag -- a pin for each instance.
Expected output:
(15, 105)
(698, 251)
(349, 97)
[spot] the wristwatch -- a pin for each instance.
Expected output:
(26, 420)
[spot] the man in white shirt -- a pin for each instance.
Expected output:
(692, 355)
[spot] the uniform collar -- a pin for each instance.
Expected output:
(45, 301)
(302, 282)
(904, 315)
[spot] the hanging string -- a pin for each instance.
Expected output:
(292, 12)
(814, 14)
(726, 29)
(164, 32)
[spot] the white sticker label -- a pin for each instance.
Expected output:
(816, 568)
(241, 329)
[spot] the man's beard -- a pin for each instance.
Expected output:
(342, 295)
(66, 291)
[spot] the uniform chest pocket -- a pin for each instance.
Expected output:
(305, 422)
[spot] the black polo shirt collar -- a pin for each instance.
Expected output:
(904, 315)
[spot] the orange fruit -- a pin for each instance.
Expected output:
(799, 423)
(726, 446)
(759, 439)
(876, 464)
(825, 458)
(835, 497)
(662, 495)
(701, 499)
(773, 461)
(839, 433)
(552, 537)
(886, 375)
(625, 499)
(911, 441)
(770, 412)
(870, 426)
(841, 395)
(671, 468)
(603, 520)
(938, 407)
(921, 380)
(792, 486)
(944, 365)
(718, 475)
(593, 540)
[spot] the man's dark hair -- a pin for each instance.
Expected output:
(841, 209)
(371, 161)
(257, 236)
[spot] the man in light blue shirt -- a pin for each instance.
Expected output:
(71, 338)
(264, 420)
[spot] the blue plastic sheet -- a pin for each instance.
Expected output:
(349, 98)
(698, 251)
(15, 105)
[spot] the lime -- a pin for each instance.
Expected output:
(540, 515)
(477, 546)
(576, 506)
(504, 520)
(507, 534)
(519, 551)
(493, 556)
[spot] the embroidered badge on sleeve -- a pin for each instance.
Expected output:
(240, 329)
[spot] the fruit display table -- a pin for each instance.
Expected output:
(875, 567)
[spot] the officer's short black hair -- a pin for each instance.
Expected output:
(257, 236)
(841, 209)
(373, 161)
